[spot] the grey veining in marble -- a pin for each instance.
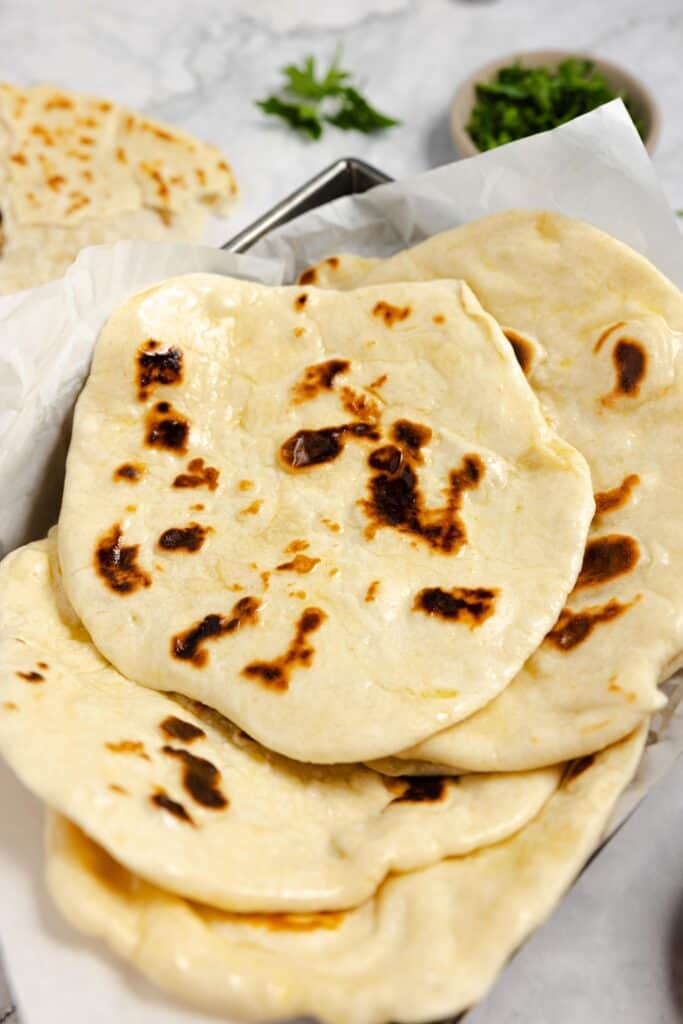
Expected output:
(202, 64)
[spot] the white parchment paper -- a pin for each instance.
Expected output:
(594, 168)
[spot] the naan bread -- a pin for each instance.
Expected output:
(339, 272)
(427, 946)
(339, 519)
(78, 170)
(187, 801)
(610, 380)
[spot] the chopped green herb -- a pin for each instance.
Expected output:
(302, 117)
(302, 81)
(355, 113)
(307, 102)
(523, 101)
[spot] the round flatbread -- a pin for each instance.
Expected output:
(182, 797)
(339, 519)
(79, 170)
(598, 330)
(427, 946)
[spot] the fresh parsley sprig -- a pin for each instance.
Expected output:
(307, 102)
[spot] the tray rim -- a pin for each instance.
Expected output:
(347, 176)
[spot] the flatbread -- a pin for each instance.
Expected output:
(610, 380)
(181, 797)
(338, 519)
(78, 170)
(427, 946)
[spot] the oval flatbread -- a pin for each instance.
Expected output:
(182, 797)
(427, 946)
(598, 330)
(339, 519)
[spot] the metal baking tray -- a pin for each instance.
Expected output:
(345, 177)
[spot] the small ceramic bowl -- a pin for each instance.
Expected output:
(641, 99)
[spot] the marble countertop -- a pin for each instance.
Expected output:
(202, 65)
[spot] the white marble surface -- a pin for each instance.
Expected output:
(201, 64)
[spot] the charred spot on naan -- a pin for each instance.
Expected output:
(371, 592)
(167, 428)
(201, 778)
(414, 789)
(184, 538)
(189, 646)
(178, 729)
(31, 676)
(296, 545)
(396, 500)
(161, 799)
(135, 747)
(309, 448)
(390, 314)
(116, 563)
(300, 302)
(157, 366)
(300, 563)
(630, 364)
(523, 349)
(606, 333)
(617, 497)
(411, 437)
(317, 378)
(630, 361)
(376, 385)
(275, 674)
(573, 628)
(130, 472)
(310, 275)
(358, 404)
(198, 475)
(471, 605)
(252, 509)
(606, 558)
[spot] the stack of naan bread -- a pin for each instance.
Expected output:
(77, 170)
(347, 639)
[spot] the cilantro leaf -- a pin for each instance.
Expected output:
(303, 81)
(299, 116)
(356, 114)
(306, 102)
